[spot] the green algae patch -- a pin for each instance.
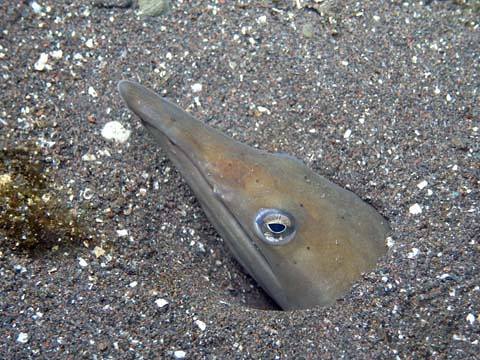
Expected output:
(33, 215)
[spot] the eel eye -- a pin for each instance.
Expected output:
(274, 226)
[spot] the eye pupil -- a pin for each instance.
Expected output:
(277, 228)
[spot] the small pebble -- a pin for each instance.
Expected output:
(471, 318)
(153, 7)
(201, 325)
(89, 43)
(122, 232)
(422, 184)
(98, 251)
(114, 130)
(308, 30)
(89, 157)
(263, 110)
(179, 354)
(415, 209)
(41, 63)
(56, 54)
(36, 7)
(22, 338)
(82, 262)
(196, 87)
(92, 92)
(262, 19)
(413, 254)
(347, 134)
(390, 242)
(161, 303)
(5, 179)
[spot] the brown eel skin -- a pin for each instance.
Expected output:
(303, 239)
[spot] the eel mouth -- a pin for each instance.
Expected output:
(164, 121)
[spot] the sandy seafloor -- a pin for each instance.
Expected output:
(378, 96)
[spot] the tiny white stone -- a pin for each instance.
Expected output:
(82, 262)
(429, 192)
(5, 179)
(161, 303)
(455, 167)
(89, 43)
(36, 7)
(197, 87)
(92, 92)
(201, 325)
(347, 134)
(38, 315)
(56, 54)
(448, 98)
(133, 284)
(98, 251)
(179, 354)
(41, 63)
(415, 209)
(87, 194)
(437, 90)
(263, 110)
(78, 56)
(344, 63)
(414, 59)
(422, 184)
(312, 131)
(413, 254)
(114, 130)
(262, 19)
(122, 232)
(376, 17)
(22, 338)
(390, 242)
(89, 157)
(471, 318)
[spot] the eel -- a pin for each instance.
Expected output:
(304, 239)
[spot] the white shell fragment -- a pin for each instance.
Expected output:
(201, 325)
(196, 87)
(92, 92)
(41, 63)
(471, 318)
(415, 209)
(22, 338)
(98, 251)
(122, 232)
(390, 242)
(82, 262)
(161, 303)
(114, 130)
(36, 7)
(56, 54)
(413, 254)
(179, 354)
(89, 43)
(422, 184)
